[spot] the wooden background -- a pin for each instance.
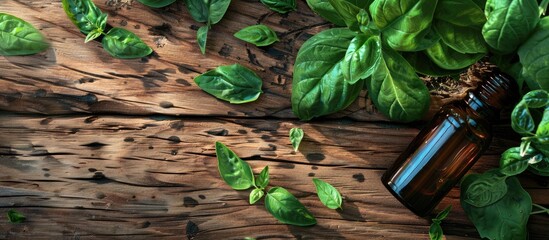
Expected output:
(96, 147)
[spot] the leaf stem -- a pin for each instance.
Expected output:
(543, 209)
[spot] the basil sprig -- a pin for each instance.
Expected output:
(435, 231)
(118, 42)
(209, 12)
(18, 37)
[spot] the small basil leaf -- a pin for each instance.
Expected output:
(328, 194)
(396, 90)
(481, 190)
(362, 58)
(287, 209)
(217, 9)
(512, 163)
(202, 38)
(296, 135)
(121, 43)
(233, 83)
(93, 35)
(348, 13)
(18, 37)
(504, 219)
(319, 87)
(448, 58)
(280, 6)
(263, 179)
(442, 215)
(259, 35)
(85, 15)
(435, 232)
(15, 217)
(157, 3)
(256, 195)
(198, 9)
(234, 171)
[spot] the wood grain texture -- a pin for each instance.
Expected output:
(142, 178)
(74, 77)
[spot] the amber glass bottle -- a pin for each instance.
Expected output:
(449, 145)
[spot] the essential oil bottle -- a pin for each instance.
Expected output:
(448, 146)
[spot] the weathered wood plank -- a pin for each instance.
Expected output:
(141, 178)
(76, 77)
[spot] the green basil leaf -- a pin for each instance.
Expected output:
(18, 37)
(442, 215)
(202, 38)
(423, 64)
(234, 171)
(541, 144)
(259, 35)
(362, 58)
(328, 194)
(85, 15)
(15, 217)
(198, 9)
(348, 12)
(463, 13)
(121, 43)
(512, 163)
(256, 195)
(280, 6)
(287, 209)
(296, 135)
(541, 168)
(327, 11)
(534, 56)
(509, 23)
(396, 90)
(481, 190)
(435, 232)
(263, 179)
(463, 39)
(217, 9)
(521, 119)
(405, 24)
(448, 58)
(156, 3)
(318, 86)
(93, 35)
(543, 126)
(233, 83)
(504, 219)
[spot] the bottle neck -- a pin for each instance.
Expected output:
(480, 107)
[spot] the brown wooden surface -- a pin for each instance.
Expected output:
(104, 170)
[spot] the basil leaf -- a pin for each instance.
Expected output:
(396, 90)
(18, 37)
(327, 11)
(263, 179)
(217, 9)
(448, 58)
(512, 163)
(93, 35)
(287, 209)
(405, 24)
(521, 119)
(328, 194)
(481, 190)
(442, 215)
(235, 172)
(202, 37)
(543, 126)
(198, 9)
(541, 168)
(509, 23)
(156, 3)
(296, 135)
(121, 43)
(534, 57)
(541, 144)
(259, 35)
(348, 12)
(15, 217)
(318, 86)
(504, 219)
(255, 195)
(435, 232)
(423, 64)
(233, 83)
(362, 58)
(280, 6)
(85, 15)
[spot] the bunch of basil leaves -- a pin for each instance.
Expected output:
(384, 45)
(495, 201)
(118, 42)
